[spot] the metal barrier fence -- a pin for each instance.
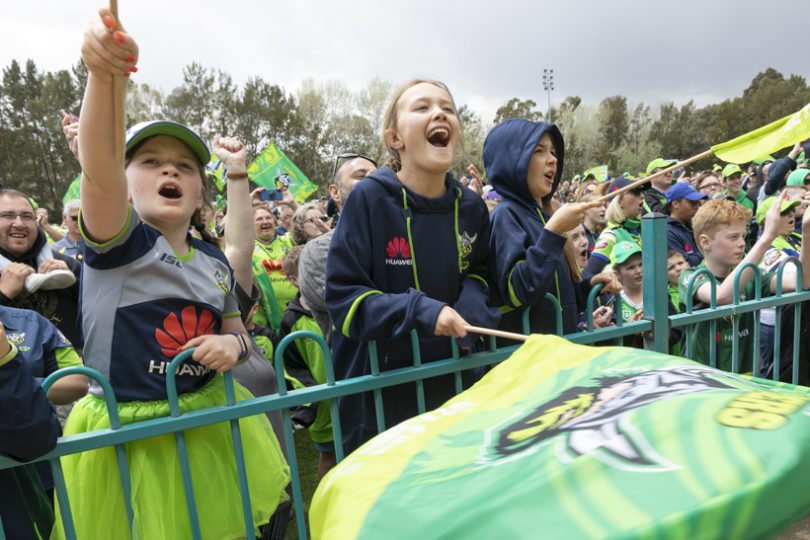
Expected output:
(657, 323)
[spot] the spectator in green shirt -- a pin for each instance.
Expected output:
(720, 228)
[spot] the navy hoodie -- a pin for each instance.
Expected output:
(389, 237)
(526, 260)
(28, 429)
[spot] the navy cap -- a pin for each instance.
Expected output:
(684, 190)
(620, 182)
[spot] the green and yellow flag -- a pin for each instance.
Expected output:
(767, 139)
(74, 190)
(272, 165)
(600, 173)
(575, 442)
(215, 170)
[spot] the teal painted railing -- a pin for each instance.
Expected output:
(656, 325)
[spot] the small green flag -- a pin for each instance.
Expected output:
(215, 170)
(600, 173)
(273, 165)
(74, 190)
(775, 136)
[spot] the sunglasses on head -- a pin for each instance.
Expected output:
(345, 156)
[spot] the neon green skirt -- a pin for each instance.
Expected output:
(158, 500)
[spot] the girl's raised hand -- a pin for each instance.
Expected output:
(107, 49)
(232, 153)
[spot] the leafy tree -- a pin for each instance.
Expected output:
(517, 108)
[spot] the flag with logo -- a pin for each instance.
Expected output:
(767, 139)
(600, 173)
(215, 169)
(272, 167)
(577, 442)
(74, 190)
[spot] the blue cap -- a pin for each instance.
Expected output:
(684, 190)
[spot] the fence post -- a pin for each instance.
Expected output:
(655, 286)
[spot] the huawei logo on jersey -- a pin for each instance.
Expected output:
(398, 251)
(177, 331)
(271, 266)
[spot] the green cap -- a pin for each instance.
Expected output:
(767, 203)
(731, 169)
(623, 251)
(144, 130)
(767, 158)
(659, 163)
(802, 157)
(796, 178)
(716, 168)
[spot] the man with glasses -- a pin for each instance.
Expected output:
(70, 245)
(655, 198)
(710, 186)
(21, 244)
(350, 168)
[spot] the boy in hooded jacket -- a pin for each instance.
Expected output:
(524, 163)
(409, 254)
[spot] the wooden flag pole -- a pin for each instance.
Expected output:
(662, 172)
(119, 86)
(496, 333)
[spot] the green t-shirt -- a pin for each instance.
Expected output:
(320, 431)
(742, 199)
(276, 288)
(699, 338)
(627, 309)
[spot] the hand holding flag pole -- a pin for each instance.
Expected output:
(119, 85)
(496, 333)
(770, 138)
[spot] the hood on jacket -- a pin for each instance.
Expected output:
(507, 150)
(388, 179)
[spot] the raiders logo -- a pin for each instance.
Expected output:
(596, 419)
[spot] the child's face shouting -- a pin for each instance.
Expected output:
(542, 168)
(427, 131)
(164, 181)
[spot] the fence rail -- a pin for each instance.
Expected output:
(656, 325)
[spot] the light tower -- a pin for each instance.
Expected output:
(548, 86)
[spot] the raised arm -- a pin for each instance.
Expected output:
(239, 233)
(108, 52)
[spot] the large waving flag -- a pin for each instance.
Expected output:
(767, 139)
(568, 441)
(272, 164)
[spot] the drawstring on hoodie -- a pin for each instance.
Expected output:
(408, 216)
(556, 279)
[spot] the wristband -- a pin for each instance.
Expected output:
(239, 176)
(244, 351)
(12, 352)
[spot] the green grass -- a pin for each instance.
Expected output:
(307, 473)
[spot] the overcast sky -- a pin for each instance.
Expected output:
(487, 52)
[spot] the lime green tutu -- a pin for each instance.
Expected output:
(158, 499)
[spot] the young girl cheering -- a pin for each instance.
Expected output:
(150, 291)
(409, 253)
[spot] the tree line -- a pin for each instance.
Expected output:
(321, 119)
